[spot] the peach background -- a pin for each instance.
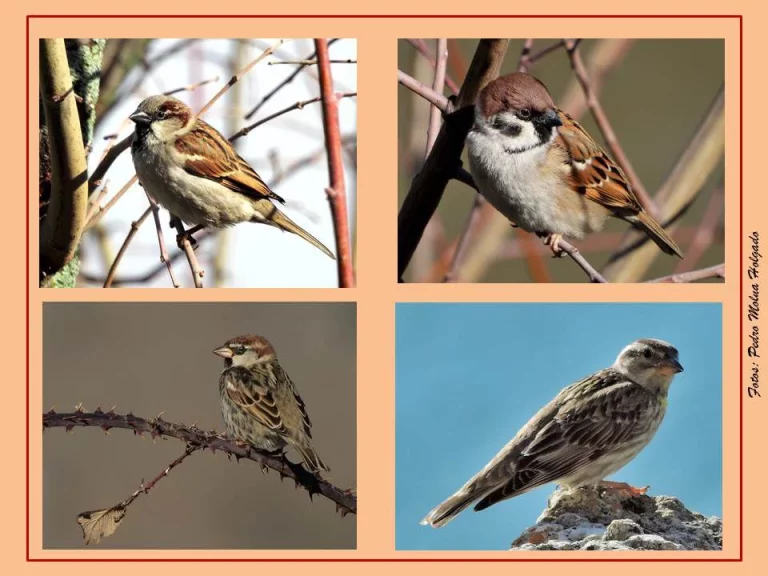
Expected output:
(377, 291)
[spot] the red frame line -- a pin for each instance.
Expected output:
(413, 17)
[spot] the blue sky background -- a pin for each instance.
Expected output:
(470, 375)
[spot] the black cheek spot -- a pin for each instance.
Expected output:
(581, 190)
(512, 130)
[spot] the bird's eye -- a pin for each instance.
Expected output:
(238, 350)
(647, 353)
(524, 114)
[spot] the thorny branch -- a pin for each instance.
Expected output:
(345, 500)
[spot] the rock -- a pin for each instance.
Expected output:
(597, 518)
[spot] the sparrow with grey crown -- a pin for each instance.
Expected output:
(190, 169)
(537, 166)
(590, 430)
(259, 402)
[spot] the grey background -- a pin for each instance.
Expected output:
(654, 99)
(149, 357)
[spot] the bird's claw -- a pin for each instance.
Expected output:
(624, 488)
(553, 241)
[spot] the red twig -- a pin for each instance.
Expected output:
(337, 195)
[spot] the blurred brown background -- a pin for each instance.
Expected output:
(150, 357)
(655, 98)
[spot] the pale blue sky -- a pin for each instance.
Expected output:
(470, 375)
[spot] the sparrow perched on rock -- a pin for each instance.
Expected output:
(260, 404)
(189, 168)
(540, 169)
(589, 431)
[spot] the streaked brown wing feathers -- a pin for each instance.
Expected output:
(212, 157)
(594, 174)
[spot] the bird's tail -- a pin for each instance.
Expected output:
(657, 234)
(311, 459)
(447, 510)
(280, 220)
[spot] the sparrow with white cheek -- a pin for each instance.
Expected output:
(194, 172)
(260, 404)
(588, 431)
(540, 169)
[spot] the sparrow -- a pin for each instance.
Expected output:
(189, 168)
(591, 429)
(537, 166)
(259, 402)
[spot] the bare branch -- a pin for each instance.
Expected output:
(296, 106)
(428, 186)
(61, 229)
(135, 225)
(314, 484)
(423, 90)
(438, 86)
(717, 271)
(336, 191)
(283, 84)
(422, 48)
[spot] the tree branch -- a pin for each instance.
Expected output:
(717, 271)
(428, 186)
(61, 229)
(336, 191)
(314, 484)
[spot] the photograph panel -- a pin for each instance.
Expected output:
(607, 152)
(620, 405)
(261, 395)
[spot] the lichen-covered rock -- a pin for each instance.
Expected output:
(596, 518)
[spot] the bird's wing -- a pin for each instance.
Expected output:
(593, 173)
(596, 415)
(254, 398)
(214, 158)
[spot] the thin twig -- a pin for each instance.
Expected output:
(717, 271)
(573, 252)
(336, 191)
(438, 85)
(238, 76)
(423, 90)
(311, 62)
(99, 212)
(161, 241)
(423, 49)
(191, 87)
(185, 244)
(312, 483)
(283, 84)
(296, 106)
(135, 225)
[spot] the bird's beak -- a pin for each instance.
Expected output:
(140, 117)
(549, 119)
(224, 352)
(672, 366)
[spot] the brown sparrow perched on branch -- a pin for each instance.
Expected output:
(193, 171)
(540, 169)
(260, 404)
